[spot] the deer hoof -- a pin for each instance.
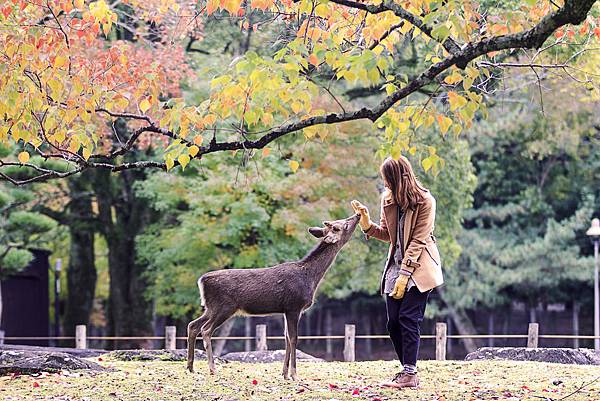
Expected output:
(190, 367)
(294, 377)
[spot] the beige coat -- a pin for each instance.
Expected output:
(421, 255)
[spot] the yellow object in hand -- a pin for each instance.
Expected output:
(365, 220)
(400, 286)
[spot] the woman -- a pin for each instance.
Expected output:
(413, 266)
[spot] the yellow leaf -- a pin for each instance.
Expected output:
(453, 78)
(184, 160)
(194, 150)
(106, 28)
(444, 123)
(231, 5)
(296, 107)
(294, 165)
(144, 105)
(427, 163)
(169, 162)
(79, 4)
(198, 140)
(86, 153)
(60, 61)
(456, 101)
(310, 132)
(23, 157)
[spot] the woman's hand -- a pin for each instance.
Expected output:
(365, 220)
(400, 286)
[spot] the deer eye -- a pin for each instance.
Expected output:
(336, 228)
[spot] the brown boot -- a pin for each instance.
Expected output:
(404, 380)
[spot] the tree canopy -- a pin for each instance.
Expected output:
(71, 69)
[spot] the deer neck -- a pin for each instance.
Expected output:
(318, 260)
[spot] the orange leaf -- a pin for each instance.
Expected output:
(198, 140)
(313, 59)
(265, 152)
(23, 157)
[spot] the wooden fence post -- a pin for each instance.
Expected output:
(261, 337)
(532, 335)
(170, 337)
(349, 342)
(441, 339)
(81, 336)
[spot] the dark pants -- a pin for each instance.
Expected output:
(404, 318)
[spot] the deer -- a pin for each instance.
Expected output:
(288, 288)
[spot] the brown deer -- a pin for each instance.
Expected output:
(287, 288)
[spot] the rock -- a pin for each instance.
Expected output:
(153, 355)
(267, 356)
(30, 362)
(82, 353)
(580, 356)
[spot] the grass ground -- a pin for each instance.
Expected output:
(330, 381)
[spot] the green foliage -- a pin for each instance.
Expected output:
(19, 230)
(255, 213)
(524, 239)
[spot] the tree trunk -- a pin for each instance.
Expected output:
(81, 270)
(462, 323)
(123, 217)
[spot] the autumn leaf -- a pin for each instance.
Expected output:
(23, 157)
(294, 165)
(144, 105)
(313, 59)
(184, 160)
(232, 6)
(265, 152)
(198, 140)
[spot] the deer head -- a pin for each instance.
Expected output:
(337, 231)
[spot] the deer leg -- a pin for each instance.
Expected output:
(286, 360)
(193, 331)
(292, 319)
(207, 331)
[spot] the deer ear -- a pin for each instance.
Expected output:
(327, 223)
(317, 232)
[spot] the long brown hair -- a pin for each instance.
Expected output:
(402, 183)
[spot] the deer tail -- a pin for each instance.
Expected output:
(201, 288)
